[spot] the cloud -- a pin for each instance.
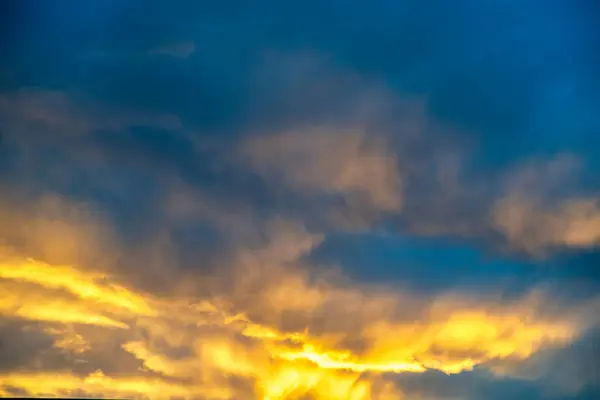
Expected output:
(380, 158)
(350, 173)
(331, 161)
(531, 205)
(21, 344)
(38, 112)
(536, 214)
(51, 139)
(263, 326)
(575, 223)
(52, 228)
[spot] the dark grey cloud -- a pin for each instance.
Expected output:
(21, 344)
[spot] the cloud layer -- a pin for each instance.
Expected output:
(265, 328)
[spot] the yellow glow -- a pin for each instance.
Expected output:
(68, 340)
(83, 285)
(97, 384)
(22, 302)
(345, 361)
(223, 347)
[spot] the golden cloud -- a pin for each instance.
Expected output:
(295, 338)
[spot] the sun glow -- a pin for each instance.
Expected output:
(200, 349)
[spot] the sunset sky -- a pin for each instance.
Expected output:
(294, 200)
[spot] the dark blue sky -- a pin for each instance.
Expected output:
(173, 119)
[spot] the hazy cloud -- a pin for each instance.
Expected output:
(539, 212)
(331, 162)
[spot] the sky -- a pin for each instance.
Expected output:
(341, 200)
